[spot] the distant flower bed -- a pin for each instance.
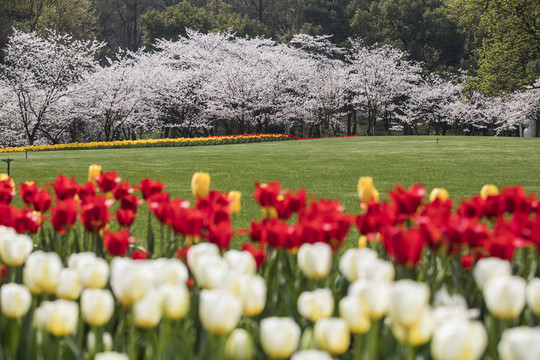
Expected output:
(211, 140)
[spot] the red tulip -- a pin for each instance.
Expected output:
(95, 213)
(64, 215)
(220, 234)
(122, 190)
(130, 202)
(267, 194)
(404, 246)
(139, 255)
(28, 190)
(407, 202)
(125, 217)
(108, 181)
(259, 254)
(86, 192)
(42, 200)
(150, 187)
(117, 243)
(7, 191)
(65, 188)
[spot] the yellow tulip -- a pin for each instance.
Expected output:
(94, 171)
(234, 197)
(366, 190)
(488, 190)
(200, 184)
(438, 193)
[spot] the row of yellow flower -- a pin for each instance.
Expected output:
(211, 140)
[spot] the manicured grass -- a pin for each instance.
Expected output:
(329, 168)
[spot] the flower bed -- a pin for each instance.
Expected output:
(196, 141)
(427, 280)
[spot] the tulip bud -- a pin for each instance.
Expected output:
(520, 343)
(311, 355)
(107, 341)
(505, 296)
(317, 304)
(352, 311)
(14, 248)
(15, 300)
(239, 345)
(147, 311)
(488, 190)
(350, 260)
(315, 260)
(69, 285)
(366, 190)
(175, 301)
(332, 335)
(241, 261)
(438, 193)
(488, 268)
(408, 299)
(200, 184)
(219, 311)
(533, 296)
(111, 355)
(97, 306)
(234, 198)
(457, 339)
(94, 171)
(62, 317)
(42, 272)
(279, 337)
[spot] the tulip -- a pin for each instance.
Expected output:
(208, 269)
(520, 343)
(93, 271)
(117, 243)
(374, 296)
(311, 355)
(14, 248)
(200, 250)
(234, 198)
(407, 302)
(69, 284)
(317, 304)
(366, 190)
(41, 315)
(15, 300)
(488, 268)
(175, 301)
(252, 292)
(315, 260)
(200, 184)
(241, 261)
(62, 317)
(489, 190)
(279, 337)
(168, 271)
(350, 260)
(219, 311)
(376, 270)
(332, 335)
(147, 311)
(97, 306)
(457, 339)
(533, 296)
(111, 355)
(94, 172)
(505, 296)
(352, 311)
(239, 345)
(419, 332)
(438, 193)
(42, 272)
(130, 279)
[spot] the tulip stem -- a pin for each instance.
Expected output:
(357, 342)
(411, 352)
(373, 341)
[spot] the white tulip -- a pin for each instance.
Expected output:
(199, 250)
(311, 355)
(15, 300)
(42, 272)
(241, 261)
(252, 293)
(352, 311)
(147, 311)
(315, 260)
(488, 268)
(62, 317)
(69, 285)
(97, 306)
(207, 270)
(219, 311)
(332, 335)
(175, 301)
(239, 345)
(408, 299)
(111, 355)
(533, 296)
(168, 271)
(317, 304)
(374, 296)
(352, 259)
(419, 332)
(520, 343)
(14, 248)
(459, 339)
(376, 270)
(130, 279)
(279, 337)
(93, 271)
(505, 296)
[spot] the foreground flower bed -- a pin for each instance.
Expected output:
(427, 280)
(196, 141)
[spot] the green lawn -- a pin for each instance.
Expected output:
(327, 167)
